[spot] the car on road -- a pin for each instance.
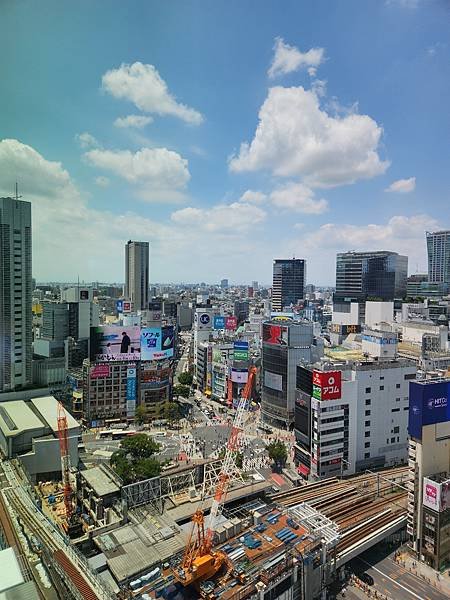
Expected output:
(366, 578)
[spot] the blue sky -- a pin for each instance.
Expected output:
(225, 133)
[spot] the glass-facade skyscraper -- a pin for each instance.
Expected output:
(438, 247)
(361, 275)
(288, 282)
(15, 294)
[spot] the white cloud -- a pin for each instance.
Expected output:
(402, 186)
(157, 168)
(143, 85)
(102, 181)
(289, 58)
(299, 198)
(254, 197)
(136, 121)
(295, 137)
(232, 218)
(402, 234)
(86, 140)
(70, 237)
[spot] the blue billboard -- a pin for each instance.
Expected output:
(219, 322)
(119, 306)
(428, 405)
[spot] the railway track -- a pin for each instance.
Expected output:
(75, 571)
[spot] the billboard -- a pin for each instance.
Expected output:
(157, 342)
(115, 342)
(239, 375)
(344, 329)
(275, 334)
(203, 319)
(119, 306)
(428, 405)
(131, 391)
(240, 350)
(383, 341)
(127, 306)
(327, 385)
(436, 495)
(100, 371)
(230, 323)
(273, 381)
(219, 322)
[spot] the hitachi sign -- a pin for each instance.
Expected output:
(437, 402)
(428, 404)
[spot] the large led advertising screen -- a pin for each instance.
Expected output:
(115, 342)
(428, 405)
(275, 334)
(157, 342)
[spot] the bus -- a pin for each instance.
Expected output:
(120, 434)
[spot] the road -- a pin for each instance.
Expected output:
(393, 580)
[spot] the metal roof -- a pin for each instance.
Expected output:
(16, 417)
(47, 406)
(11, 573)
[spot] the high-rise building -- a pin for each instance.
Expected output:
(136, 274)
(224, 284)
(362, 275)
(438, 247)
(429, 462)
(284, 344)
(288, 282)
(15, 294)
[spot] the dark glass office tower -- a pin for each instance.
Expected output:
(362, 275)
(288, 282)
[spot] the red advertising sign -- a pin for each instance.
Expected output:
(127, 306)
(230, 323)
(330, 384)
(100, 371)
(275, 334)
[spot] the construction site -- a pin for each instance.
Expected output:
(201, 529)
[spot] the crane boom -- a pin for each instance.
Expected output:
(200, 561)
(230, 457)
(65, 460)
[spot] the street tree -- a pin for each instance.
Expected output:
(278, 453)
(185, 378)
(141, 414)
(181, 390)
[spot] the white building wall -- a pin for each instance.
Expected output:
(379, 312)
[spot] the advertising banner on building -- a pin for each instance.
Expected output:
(240, 350)
(203, 319)
(239, 375)
(127, 306)
(131, 391)
(275, 334)
(273, 381)
(230, 323)
(327, 385)
(436, 495)
(110, 343)
(119, 306)
(344, 329)
(219, 322)
(428, 405)
(100, 371)
(431, 494)
(157, 342)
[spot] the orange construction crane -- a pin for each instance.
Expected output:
(200, 561)
(65, 461)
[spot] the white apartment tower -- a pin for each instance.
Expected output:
(15, 294)
(136, 274)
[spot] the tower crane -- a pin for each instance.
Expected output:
(65, 463)
(200, 561)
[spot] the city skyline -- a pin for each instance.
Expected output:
(145, 139)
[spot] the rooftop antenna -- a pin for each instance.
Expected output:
(16, 196)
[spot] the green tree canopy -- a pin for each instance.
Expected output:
(172, 411)
(278, 453)
(181, 390)
(134, 460)
(185, 378)
(141, 414)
